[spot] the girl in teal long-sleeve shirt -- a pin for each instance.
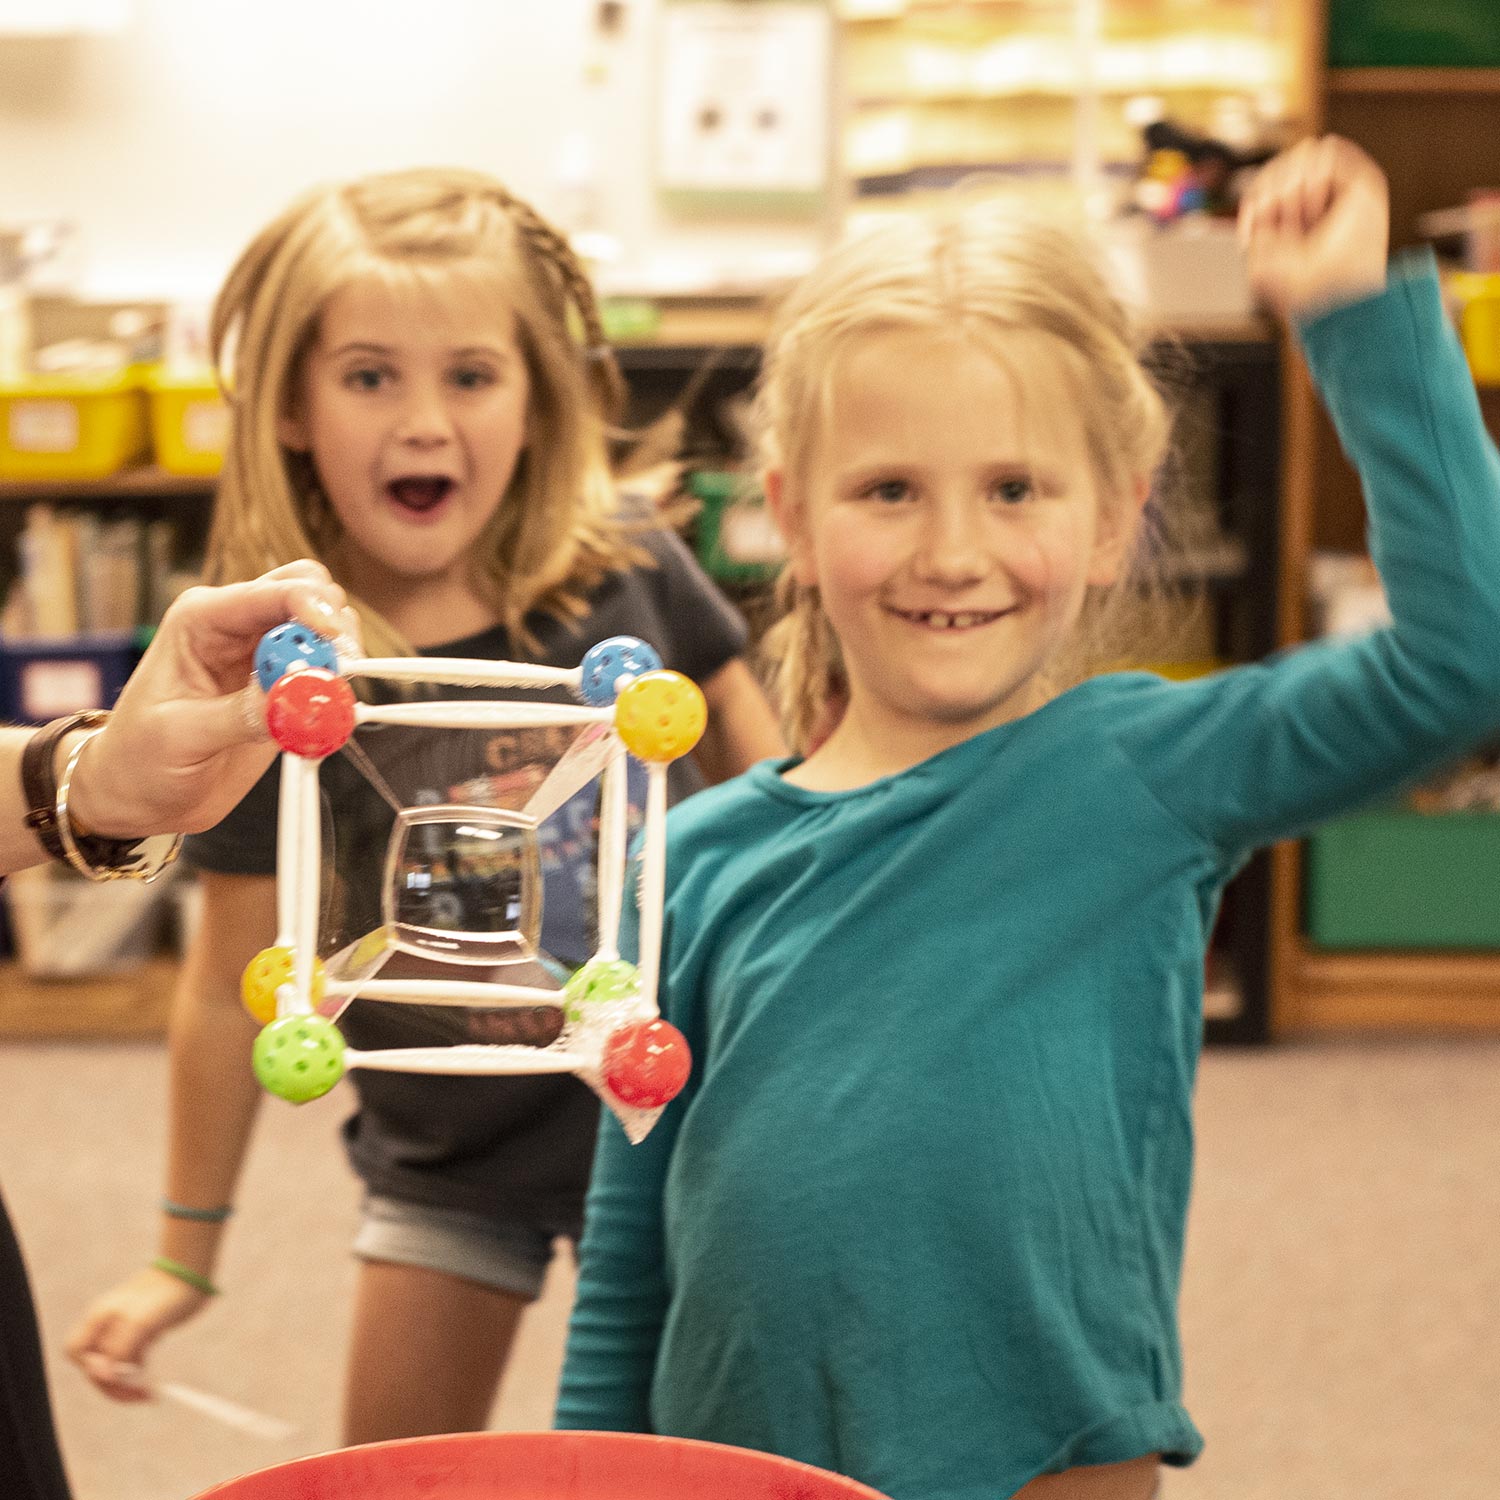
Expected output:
(919, 1215)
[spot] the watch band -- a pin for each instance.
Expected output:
(39, 784)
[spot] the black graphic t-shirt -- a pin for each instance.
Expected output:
(518, 1145)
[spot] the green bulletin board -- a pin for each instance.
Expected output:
(1414, 33)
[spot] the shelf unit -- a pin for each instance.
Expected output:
(1432, 130)
(1042, 91)
(1234, 412)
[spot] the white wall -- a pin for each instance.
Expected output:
(170, 143)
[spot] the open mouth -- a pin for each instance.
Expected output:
(942, 619)
(420, 494)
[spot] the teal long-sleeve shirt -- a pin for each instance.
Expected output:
(919, 1215)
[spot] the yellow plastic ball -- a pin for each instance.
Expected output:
(265, 974)
(660, 716)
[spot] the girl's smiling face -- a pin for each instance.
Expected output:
(952, 524)
(413, 408)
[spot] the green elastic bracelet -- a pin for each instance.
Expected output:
(176, 1268)
(197, 1215)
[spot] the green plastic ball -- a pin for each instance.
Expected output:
(298, 1057)
(599, 981)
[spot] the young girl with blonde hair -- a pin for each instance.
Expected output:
(919, 1215)
(421, 396)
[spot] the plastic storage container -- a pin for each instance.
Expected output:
(737, 539)
(542, 1466)
(1393, 878)
(72, 426)
(66, 927)
(41, 680)
(189, 422)
(1476, 295)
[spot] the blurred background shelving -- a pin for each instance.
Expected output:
(1048, 97)
(1417, 87)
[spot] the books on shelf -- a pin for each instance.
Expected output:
(80, 573)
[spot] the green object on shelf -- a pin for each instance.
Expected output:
(1394, 878)
(1399, 34)
(737, 540)
(629, 318)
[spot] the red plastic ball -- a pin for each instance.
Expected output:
(646, 1063)
(311, 712)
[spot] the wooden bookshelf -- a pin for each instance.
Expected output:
(1431, 129)
(130, 1004)
(1413, 81)
(143, 482)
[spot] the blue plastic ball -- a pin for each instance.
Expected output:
(608, 666)
(292, 644)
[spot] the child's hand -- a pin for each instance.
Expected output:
(112, 1337)
(1316, 227)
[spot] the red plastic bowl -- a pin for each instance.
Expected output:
(542, 1466)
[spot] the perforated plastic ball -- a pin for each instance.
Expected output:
(298, 1058)
(597, 982)
(660, 716)
(646, 1063)
(291, 645)
(605, 666)
(310, 713)
(266, 973)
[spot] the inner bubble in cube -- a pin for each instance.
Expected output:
(464, 884)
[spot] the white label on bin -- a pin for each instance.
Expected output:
(52, 689)
(43, 426)
(205, 426)
(747, 534)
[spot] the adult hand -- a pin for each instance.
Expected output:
(187, 738)
(1315, 224)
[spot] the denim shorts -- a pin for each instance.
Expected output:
(510, 1255)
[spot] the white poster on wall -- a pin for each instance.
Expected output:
(744, 98)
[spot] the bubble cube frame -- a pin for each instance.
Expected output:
(612, 1035)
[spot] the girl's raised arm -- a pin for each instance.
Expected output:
(1269, 750)
(1315, 225)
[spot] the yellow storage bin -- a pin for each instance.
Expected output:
(1478, 296)
(189, 422)
(72, 426)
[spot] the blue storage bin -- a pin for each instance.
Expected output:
(42, 680)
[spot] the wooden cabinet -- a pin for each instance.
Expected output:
(1433, 130)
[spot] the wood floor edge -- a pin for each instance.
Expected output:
(132, 1004)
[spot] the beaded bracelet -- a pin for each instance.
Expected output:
(197, 1215)
(194, 1279)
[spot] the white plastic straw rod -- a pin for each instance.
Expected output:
(309, 877)
(481, 715)
(457, 671)
(451, 991)
(613, 809)
(472, 1062)
(653, 880)
(288, 833)
(220, 1408)
(230, 1413)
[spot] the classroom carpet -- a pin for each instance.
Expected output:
(1341, 1302)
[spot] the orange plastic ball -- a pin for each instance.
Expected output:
(660, 716)
(266, 973)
